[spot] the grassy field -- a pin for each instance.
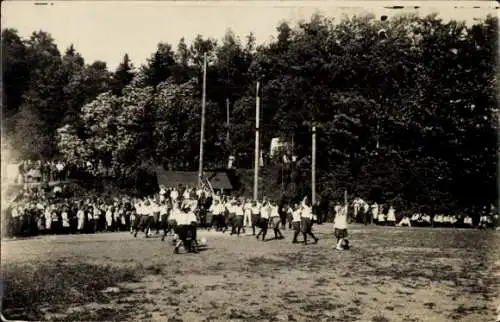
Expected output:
(389, 274)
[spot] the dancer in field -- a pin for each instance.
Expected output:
(186, 230)
(296, 219)
(238, 219)
(306, 223)
(340, 228)
(264, 219)
(276, 220)
(255, 216)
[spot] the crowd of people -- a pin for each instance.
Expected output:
(38, 211)
(385, 215)
(41, 171)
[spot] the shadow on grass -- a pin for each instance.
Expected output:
(28, 290)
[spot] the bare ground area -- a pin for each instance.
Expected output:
(389, 274)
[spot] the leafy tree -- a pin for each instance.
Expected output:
(405, 108)
(122, 76)
(15, 71)
(160, 66)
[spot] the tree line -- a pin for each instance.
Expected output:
(405, 107)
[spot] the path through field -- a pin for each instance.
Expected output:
(390, 274)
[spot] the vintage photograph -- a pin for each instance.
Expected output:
(249, 161)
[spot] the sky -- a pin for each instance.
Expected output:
(106, 30)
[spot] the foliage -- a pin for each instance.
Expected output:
(405, 108)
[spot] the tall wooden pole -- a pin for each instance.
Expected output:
(313, 168)
(346, 206)
(227, 120)
(202, 132)
(257, 154)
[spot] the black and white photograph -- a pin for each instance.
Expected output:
(250, 161)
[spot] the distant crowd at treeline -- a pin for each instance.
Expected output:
(38, 211)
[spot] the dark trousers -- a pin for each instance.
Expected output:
(306, 226)
(263, 225)
(255, 222)
(238, 224)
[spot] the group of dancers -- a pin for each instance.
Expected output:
(181, 216)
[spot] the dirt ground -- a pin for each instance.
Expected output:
(389, 274)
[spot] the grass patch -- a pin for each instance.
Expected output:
(262, 260)
(29, 288)
(101, 314)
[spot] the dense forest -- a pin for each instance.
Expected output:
(406, 107)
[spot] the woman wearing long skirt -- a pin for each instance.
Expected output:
(65, 220)
(247, 209)
(109, 219)
(48, 219)
(391, 216)
(80, 215)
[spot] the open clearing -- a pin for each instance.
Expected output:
(390, 274)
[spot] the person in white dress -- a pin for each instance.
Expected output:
(468, 221)
(247, 209)
(174, 195)
(109, 218)
(391, 216)
(381, 216)
(48, 219)
(80, 215)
